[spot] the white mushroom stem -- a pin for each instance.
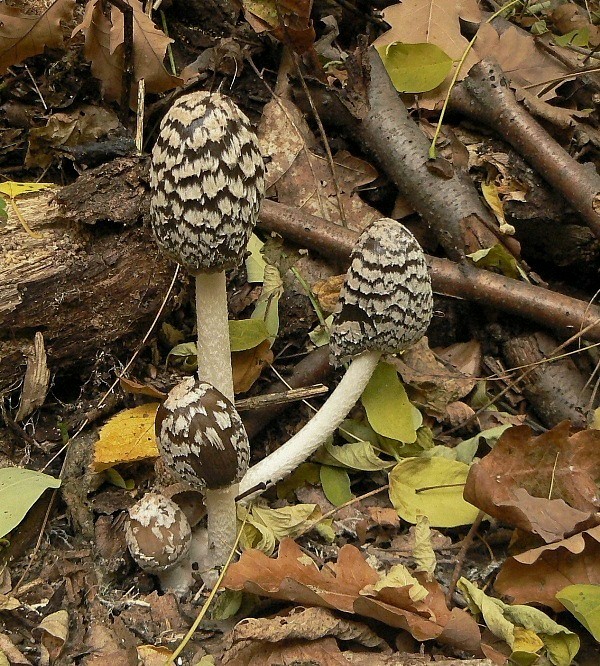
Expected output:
(277, 465)
(212, 322)
(214, 367)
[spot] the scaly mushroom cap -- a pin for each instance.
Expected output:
(158, 534)
(386, 301)
(207, 182)
(201, 436)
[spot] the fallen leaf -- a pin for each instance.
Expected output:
(513, 482)
(433, 22)
(104, 47)
(415, 68)
(336, 485)
(19, 491)
(248, 365)
(299, 177)
(388, 408)
(583, 601)
(127, 437)
(523, 628)
(84, 125)
(26, 35)
(347, 585)
(53, 632)
(432, 487)
(246, 334)
(287, 20)
(537, 575)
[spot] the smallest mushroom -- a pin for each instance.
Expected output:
(202, 440)
(158, 536)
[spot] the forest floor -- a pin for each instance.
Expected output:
(453, 516)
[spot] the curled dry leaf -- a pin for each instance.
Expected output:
(26, 35)
(514, 481)
(538, 574)
(350, 585)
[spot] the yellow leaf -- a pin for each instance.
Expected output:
(492, 198)
(13, 190)
(127, 437)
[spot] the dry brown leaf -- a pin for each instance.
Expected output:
(433, 384)
(433, 22)
(345, 586)
(538, 574)
(104, 47)
(520, 59)
(299, 177)
(15, 657)
(26, 35)
(287, 20)
(302, 631)
(85, 125)
(328, 292)
(513, 482)
(248, 364)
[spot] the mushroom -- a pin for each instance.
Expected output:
(202, 439)
(384, 307)
(207, 182)
(158, 536)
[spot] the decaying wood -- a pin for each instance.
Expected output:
(83, 288)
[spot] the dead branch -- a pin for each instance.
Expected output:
(548, 308)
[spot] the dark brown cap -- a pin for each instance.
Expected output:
(201, 436)
(207, 182)
(386, 302)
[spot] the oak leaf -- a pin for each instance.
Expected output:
(104, 46)
(350, 585)
(26, 35)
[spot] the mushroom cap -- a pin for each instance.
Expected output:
(201, 436)
(386, 301)
(158, 533)
(207, 179)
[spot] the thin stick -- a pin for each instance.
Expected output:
(462, 553)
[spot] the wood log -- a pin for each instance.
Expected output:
(85, 288)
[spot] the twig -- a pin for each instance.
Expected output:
(462, 553)
(280, 398)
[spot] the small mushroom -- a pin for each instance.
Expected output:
(203, 441)
(158, 535)
(385, 306)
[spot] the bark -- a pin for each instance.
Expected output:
(485, 95)
(85, 289)
(557, 390)
(549, 308)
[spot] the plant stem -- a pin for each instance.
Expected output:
(323, 424)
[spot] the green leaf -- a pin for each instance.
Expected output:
(579, 37)
(303, 474)
(3, 213)
(255, 263)
(320, 335)
(388, 409)
(185, 352)
(415, 68)
(247, 334)
(583, 601)
(500, 258)
(19, 491)
(336, 484)
(523, 628)
(432, 487)
(267, 305)
(227, 604)
(355, 455)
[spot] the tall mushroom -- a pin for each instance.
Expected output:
(207, 182)
(384, 307)
(202, 439)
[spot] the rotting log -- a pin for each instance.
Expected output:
(84, 288)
